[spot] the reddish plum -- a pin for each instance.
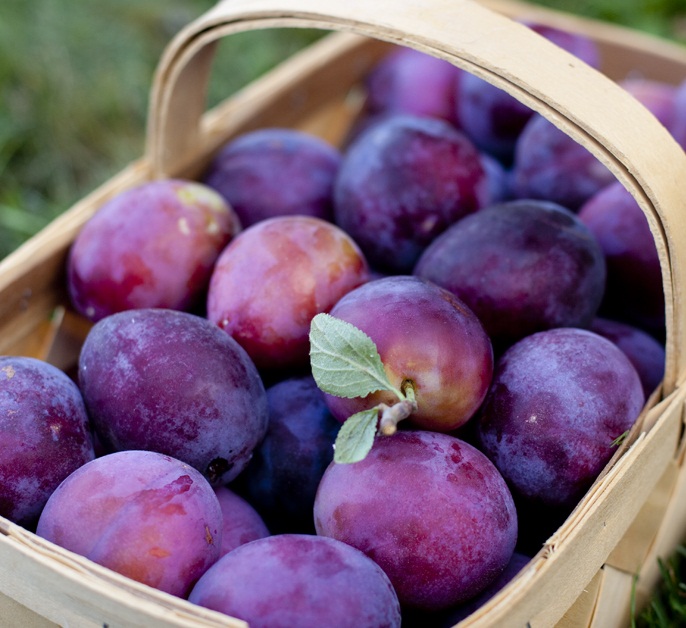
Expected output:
(282, 477)
(559, 400)
(424, 335)
(150, 246)
(430, 509)
(404, 181)
(522, 267)
(142, 514)
(273, 278)
(275, 172)
(657, 96)
(299, 580)
(174, 383)
(45, 435)
(241, 522)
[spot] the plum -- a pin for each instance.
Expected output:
(281, 479)
(174, 383)
(643, 350)
(45, 434)
(559, 400)
(241, 522)
(299, 580)
(144, 515)
(657, 96)
(550, 165)
(275, 172)
(408, 81)
(491, 117)
(677, 126)
(272, 279)
(153, 245)
(521, 266)
(404, 181)
(634, 292)
(424, 335)
(430, 509)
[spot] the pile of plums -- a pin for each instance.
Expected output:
(500, 271)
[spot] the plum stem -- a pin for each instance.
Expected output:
(392, 415)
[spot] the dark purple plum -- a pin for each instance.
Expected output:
(174, 383)
(521, 266)
(425, 335)
(404, 181)
(45, 434)
(491, 117)
(558, 402)
(643, 350)
(634, 292)
(271, 280)
(144, 515)
(430, 509)
(656, 96)
(241, 522)
(299, 580)
(677, 126)
(411, 82)
(550, 165)
(284, 473)
(150, 246)
(275, 172)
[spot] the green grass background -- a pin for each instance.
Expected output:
(74, 83)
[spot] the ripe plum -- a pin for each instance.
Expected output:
(634, 291)
(45, 435)
(150, 246)
(272, 279)
(174, 383)
(559, 400)
(281, 479)
(427, 336)
(241, 522)
(550, 165)
(404, 181)
(275, 172)
(645, 352)
(430, 509)
(299, 580)
(521, 266)
(142, 514)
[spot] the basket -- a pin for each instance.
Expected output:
(584, 574)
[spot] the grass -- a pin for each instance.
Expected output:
(74, 81)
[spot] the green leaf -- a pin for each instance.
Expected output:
(345, 361)
(356, 437)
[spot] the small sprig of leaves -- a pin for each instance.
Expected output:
(346, 363)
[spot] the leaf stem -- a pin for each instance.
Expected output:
(392, 415)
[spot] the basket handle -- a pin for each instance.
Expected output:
(585, 104)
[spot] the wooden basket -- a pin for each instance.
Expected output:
(636, 511)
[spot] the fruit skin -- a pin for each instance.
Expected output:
(174, 383)
(644, 352)
(550, 165)
(150, 246)
(45, 434)
(275, 172)
(282, 478)
(404, 181)
(241, 522)
(271, 280)
(142, 514)
(634, 292)
(299, 580)
(431, 510)
(522, 267)
(559, 399)
(427, 335)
